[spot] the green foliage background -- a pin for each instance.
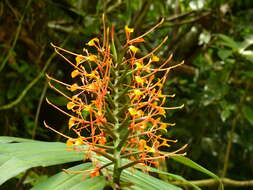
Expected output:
(214, 37)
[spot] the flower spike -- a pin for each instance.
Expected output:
(117, 107)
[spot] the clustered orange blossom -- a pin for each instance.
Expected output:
(118, 101)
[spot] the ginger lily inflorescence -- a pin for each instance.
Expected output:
(118, 104)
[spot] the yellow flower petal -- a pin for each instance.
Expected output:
(79, 59)
(74, 73)
(93, 74)
(70, 142)
(165, 143)
(129, 30)
(155, 58)
(161, 111)
(150, 149)
(92, 42)
(139, 80)
(137, 92)
(163, 126)
(139, 65)
(160, 95)
(132, 111)
(70, 105)
(72, 122)
(133, 49)
(92, 58)
(74, 87)
(78, 141)
(92, 86)
(87, 108)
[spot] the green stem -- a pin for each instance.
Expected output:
(117, 165)
(42, 96)
(117, 150)
(32, 83)
(229, 147)
(105, 155)
(16, 36)
(130, 164)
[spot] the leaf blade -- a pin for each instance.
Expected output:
(15, 157)
(63, 180)
(188, 162)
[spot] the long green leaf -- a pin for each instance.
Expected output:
(173, 177)
(96, 183)
(141, 180)
(71, 181)
(6, 139)
(188, 162)
(18, 157)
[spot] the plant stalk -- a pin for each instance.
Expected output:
(117, 150)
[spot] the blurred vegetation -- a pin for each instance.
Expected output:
(214, 37)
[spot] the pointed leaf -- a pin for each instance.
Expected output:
(18, 157)
(141, 180)
(96, 183)
(6, 139)
(72, 181)
(173, 177)
(186, 161)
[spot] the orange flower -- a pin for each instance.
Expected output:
(116, 94)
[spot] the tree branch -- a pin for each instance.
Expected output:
(213, 182)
